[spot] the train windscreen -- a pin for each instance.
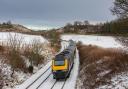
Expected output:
(59, 60)
(59, 63)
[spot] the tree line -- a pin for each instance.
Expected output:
(7, 24)
(120, 25)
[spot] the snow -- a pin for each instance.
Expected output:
(104, 73)
(102, 41)
(119, 81)
(34, 77)
(5, 68)
(27, 39)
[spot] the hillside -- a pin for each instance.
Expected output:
(8, 27)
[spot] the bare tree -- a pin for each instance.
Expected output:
(35, 52)
(120, 8)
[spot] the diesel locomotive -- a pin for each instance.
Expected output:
(63, 62)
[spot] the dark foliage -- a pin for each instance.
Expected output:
(120, 8)
(6, 25)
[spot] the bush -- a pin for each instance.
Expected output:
(54, 38)
(14, 55)
(16, 60)
(95, 60)
(33, 53)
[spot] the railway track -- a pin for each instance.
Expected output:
(44, 81)
(55, 83)
(60, 86)
(37, 78)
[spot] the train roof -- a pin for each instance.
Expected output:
(66, 52)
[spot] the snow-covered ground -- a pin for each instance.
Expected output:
(26, 39)
(102, 41)
(119, 81)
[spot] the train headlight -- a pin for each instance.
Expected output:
(65, 70)
(54, 71)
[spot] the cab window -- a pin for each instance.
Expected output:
(59, 63)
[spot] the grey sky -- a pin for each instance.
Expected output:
(54, 12)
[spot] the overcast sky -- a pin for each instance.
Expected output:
(54, 13)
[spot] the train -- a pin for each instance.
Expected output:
(63, 62)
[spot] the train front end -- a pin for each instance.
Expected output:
(59, 67)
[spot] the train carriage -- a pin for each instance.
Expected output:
(63, 62)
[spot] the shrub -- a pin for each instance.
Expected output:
(95, 60)
(16, 60)
(33, 53)
(54, 37)
(14, 55)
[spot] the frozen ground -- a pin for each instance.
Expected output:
(27, 39)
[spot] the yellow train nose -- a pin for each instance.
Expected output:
(62, 67)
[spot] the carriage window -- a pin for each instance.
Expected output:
(59, 63)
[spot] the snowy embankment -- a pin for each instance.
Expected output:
(26, 40)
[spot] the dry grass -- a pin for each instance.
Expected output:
(95, 60)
